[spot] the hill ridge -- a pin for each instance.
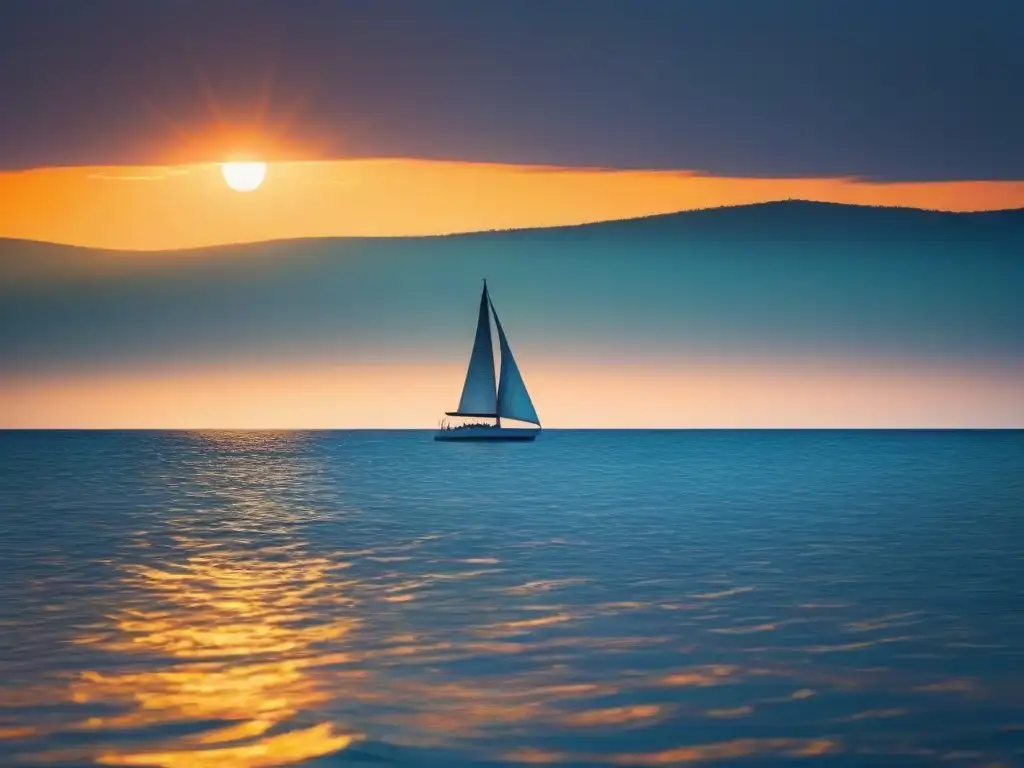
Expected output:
(805, 217)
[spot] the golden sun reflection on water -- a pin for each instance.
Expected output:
(215, 642)
(239, 636)
(238, 658)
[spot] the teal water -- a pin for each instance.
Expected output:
(593, 598)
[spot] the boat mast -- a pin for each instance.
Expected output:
(497, 416)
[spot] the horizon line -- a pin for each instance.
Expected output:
(544, 429)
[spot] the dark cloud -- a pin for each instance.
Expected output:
(917, 89)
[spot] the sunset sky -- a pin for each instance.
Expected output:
(188, 206)
(402, 118)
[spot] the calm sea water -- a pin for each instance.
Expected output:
(594, 598)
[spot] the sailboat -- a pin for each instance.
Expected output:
(481, 399)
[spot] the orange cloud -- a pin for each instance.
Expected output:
(169, 207)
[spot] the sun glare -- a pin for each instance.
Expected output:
(244, 177)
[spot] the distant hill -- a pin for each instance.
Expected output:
(802, 219)
(776, 279)
(786, 219)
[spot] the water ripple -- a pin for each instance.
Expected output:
(261, 599)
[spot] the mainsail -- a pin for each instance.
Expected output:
(479, 396)
(513, 400)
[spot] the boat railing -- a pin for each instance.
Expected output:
(445, 426)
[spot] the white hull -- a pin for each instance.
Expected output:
(486, 433)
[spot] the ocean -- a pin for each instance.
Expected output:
(595, 598)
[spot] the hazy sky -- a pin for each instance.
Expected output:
(388, 118)
(493, 115)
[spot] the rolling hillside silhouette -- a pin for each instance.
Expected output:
(803, 219)
(775, 278)
(790, 219)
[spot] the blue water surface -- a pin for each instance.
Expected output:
(593, 598)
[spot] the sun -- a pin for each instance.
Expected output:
(244, 177)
